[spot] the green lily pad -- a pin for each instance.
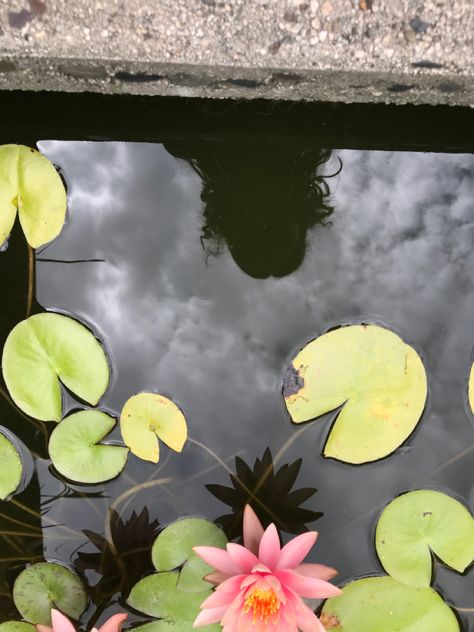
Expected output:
(171, 626)
(43, 586)
(147, 417)
(377, 379)
(76, 452)
(44, 349)
(173, 547)
(158, 595)
(11, 467)
(20, 626)
(419, 522)
(30, 184)
(381, 604)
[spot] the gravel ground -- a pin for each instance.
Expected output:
(409, 37)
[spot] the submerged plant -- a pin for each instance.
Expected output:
(271, 494)
(261, 586)
(60, 623)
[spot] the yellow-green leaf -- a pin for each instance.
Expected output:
(419, 522)
(44, 349)
(471, 389)
(377, 379)
(30, 184)
(11, 467)
(147, 417)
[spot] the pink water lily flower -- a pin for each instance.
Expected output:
(62, 624)
(260, 586)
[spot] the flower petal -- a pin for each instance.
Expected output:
(269, 550)
(308, 587)
(294, 552)
(114, 624)
(60, 622)
(218, 559)
(316, 570)
(242, 557)
(253, 530)
(209, 616)
(307, 621)
(217, 599)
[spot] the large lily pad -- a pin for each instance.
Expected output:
(173, 547)
(158, 595)
(43, 586)
(76, 452)
(419, 522)
(147, 417)
(30, 184)
(11, 468)
(21, 626)
(44, 349)
(381, 604)
(379, 381)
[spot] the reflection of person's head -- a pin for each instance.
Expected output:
(260, 200)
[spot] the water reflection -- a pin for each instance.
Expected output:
(260, 199)
(215, 339)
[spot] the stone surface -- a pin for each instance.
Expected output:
(418, 51)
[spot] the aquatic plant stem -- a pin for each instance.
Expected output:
(463, 609)
(31, 280)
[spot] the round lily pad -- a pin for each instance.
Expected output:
(20, 626)
(44, 349)
(158, 595)
(46, 585)
(419, 522)
(11, 468)
(147, 417)
(76, 452)
(377, 379)
(30, 184)
(381, 604)
(173, 547)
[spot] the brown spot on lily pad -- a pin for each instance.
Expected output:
(37, 6)
(293, 382)
(330, 621)
(18, 19)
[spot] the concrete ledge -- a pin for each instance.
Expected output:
(311, 50)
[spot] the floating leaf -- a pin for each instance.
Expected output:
(173, 547)
(158, 595)
(76, 452)
(30, 184)
(43, 586)
(11, 468)
(271, 494)
(20, 626)
(147, 417)
(44, 349)
(381, 604)
(470, 391)
(416, 522)
(379, 381)
(173, 626)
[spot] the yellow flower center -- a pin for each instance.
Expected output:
(263, 603)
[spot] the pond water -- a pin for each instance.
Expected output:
(204, 266)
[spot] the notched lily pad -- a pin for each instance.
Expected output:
(11, 468)
(419, 522)
(44, 349)
(381, 604)
(43, 586)
(377, 379)
(76, 452)
(147, 417)
(30, 184)
(173, 547)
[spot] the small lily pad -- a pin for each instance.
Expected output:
(47, 585)
(377, 379)
(173, 547)
(44, 349)
(470, 391)
(30, 184)
(158, 595)
(147, 417)
(76, 452)
(11, 468)
(381, 604)
(419, 522)
(21, 626)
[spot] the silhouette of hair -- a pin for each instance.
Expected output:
(261, 197)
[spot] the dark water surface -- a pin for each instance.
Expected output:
(206, 298)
